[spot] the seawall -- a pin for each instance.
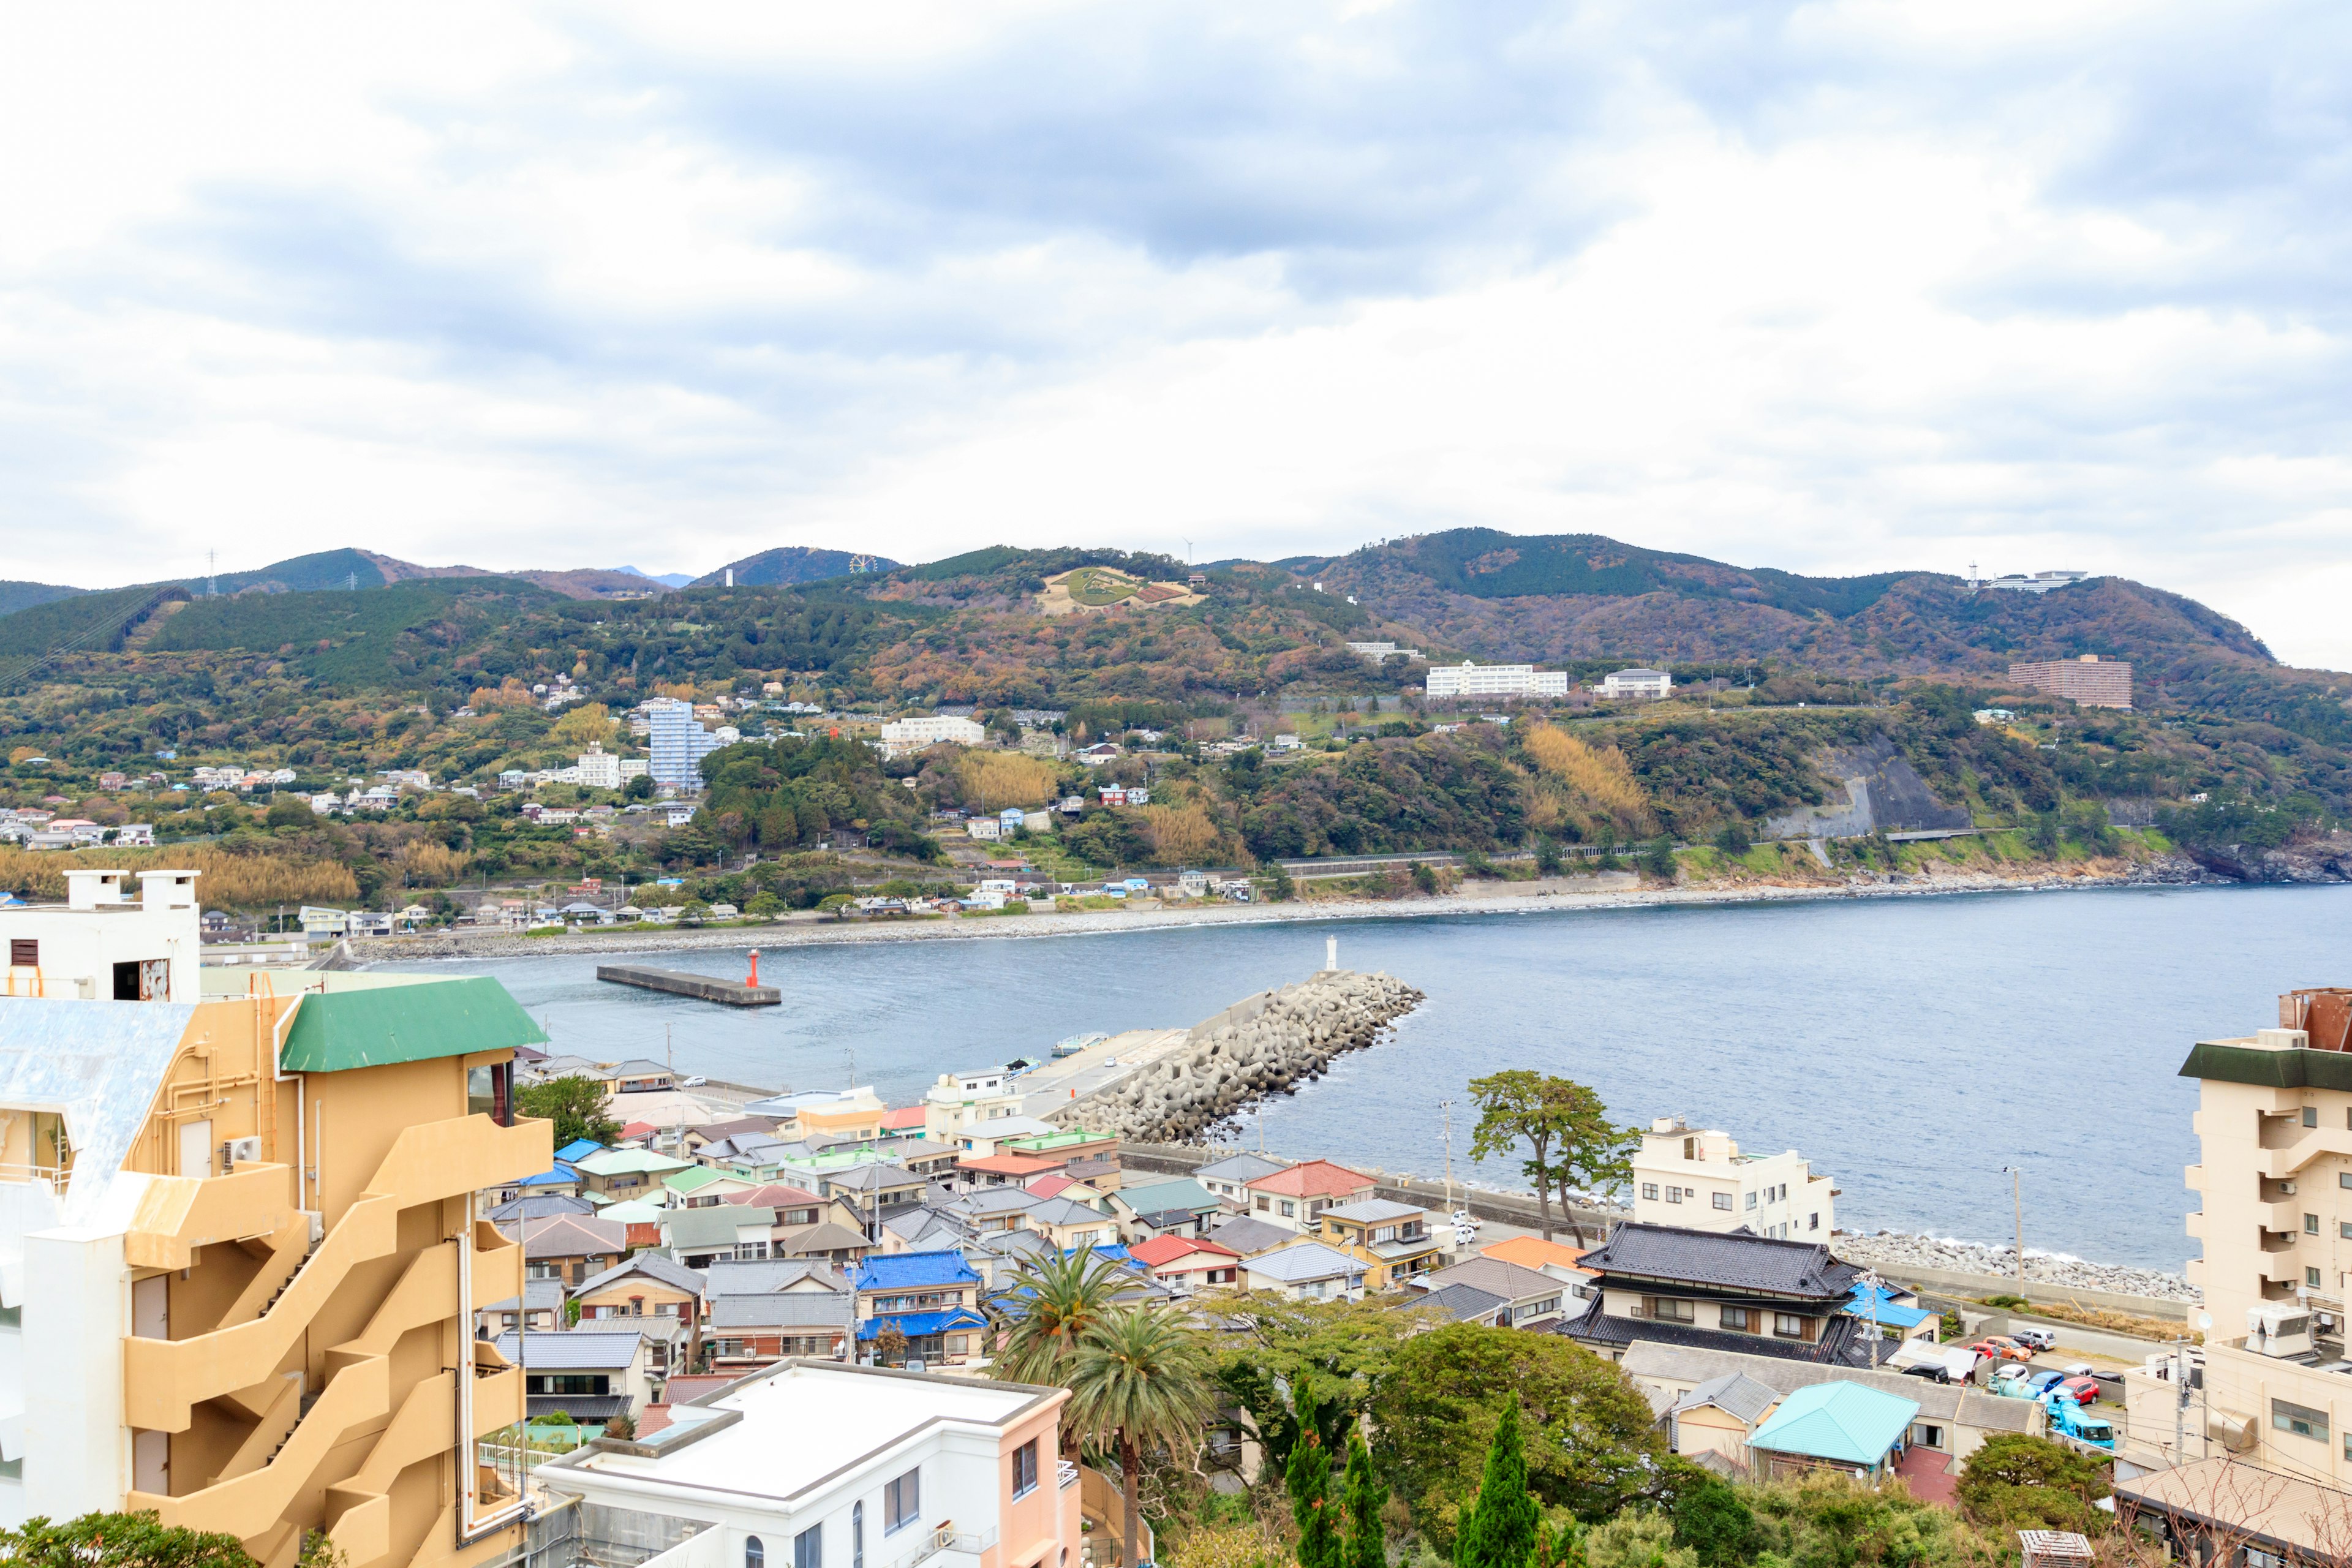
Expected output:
(1263, 1045)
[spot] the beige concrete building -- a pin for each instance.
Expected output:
(2274, 1125)
(239, 1262)
(1697, 1178)
(2090, 680)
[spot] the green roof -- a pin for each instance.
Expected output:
(1046, 1142)
(695, 1180)
(2226, 1061)
(379, 1025)
(1848, 1423)
(713, 1226)
(622, 1162)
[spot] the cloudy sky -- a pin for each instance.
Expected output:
(1835, 287)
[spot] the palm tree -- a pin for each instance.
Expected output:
(1055, 1301)
(1143, 1379)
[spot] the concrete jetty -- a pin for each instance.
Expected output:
(702, 987)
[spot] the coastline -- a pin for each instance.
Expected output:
(1524, 897)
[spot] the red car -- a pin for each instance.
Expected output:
(1998, 1347)
(2083, 1390)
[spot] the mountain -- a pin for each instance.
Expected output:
(667, 579)
(17, 596)
(794, 564)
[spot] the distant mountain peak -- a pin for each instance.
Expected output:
(789, 564)
(667, 579)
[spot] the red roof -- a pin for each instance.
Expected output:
(1009, 1164)
(1050, 1186)
(1162, 1250)
(640, 1130)
(900, 1120)
(774, 1195)
(1313, 1179)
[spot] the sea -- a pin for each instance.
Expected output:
(1913, 1049)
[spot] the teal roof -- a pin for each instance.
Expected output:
(1891, 1313)
(1158, 1197)
(418, 1022)
(1847, 1423)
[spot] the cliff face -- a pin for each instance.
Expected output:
(1262, 1045)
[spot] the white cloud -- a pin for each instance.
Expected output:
(1834, 287)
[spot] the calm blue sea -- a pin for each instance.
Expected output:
(1911, 1048)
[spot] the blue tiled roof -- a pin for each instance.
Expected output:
(561, 1172)
(913, 1271)
(916, 1325)
(1892, 1315)
(578, 1148)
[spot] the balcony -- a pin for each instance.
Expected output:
(177, 1215)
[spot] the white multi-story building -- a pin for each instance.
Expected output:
(903, 736)
(962, 1100)
(1381, 652)
(678, 743)
(1700, 1180)
(1468, 680)
(1650, 685)
(599, 769)
(103, 946)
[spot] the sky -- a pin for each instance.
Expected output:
(1837, 288)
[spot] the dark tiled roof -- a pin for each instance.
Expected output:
(580, 1406)
(785, 1309)
(592, 1349)
(1845, 1340)
(1462, 1303)
(1740, 1260)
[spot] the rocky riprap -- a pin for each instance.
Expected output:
(1267, 1045)
(1891, 1250)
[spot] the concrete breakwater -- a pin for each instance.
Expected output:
(1193, 1079)
(2047, 1275)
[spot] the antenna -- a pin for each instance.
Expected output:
(212, 573)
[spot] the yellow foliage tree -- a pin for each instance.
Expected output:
(1584, 783)
(1180, 834)
(589, 723)
(431, 865)
(995, 780)
(227, 882)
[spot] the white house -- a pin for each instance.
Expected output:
(1700, 1180)
(813, 1464)
(1468, 680)
(902, 736)
(1647, 685)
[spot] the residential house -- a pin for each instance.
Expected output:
(1456, 1304)
(930, 1299)
(590, 1374)
(640, 1221)
(695, 1237)
(1296, 1196)
(693, 1139)
(1188, 1265)
(1069, 1224)
(1844, 1427)
(793, 1205)
(960, 1099)
(987, 1137)
(827, 1241)
(1228, 1177)
(1744, 1293)
(536, 1206)
(626, 1172)
(649, 1285)
(992, 1208)
(570, 1248)
(1305, 1271)
(873, 1192)
(923, 1229)
(748, 1332)
(1174, 1206)
(1393, 1240)
(701, 1187)
(817, 1465)
(542, 1298)
(853, 1112)
(1000, 1169)
(1565, 1264)
(1250, 1235)
(765, 1276)
(1531, 1298)
(1698, 1179)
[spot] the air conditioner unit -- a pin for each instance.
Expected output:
(2279, 1329)
(246, 1151)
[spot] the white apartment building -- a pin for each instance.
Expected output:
(599, 769)
(960, 1099)
(105, 946)
(1700, 1180)
(1468, 680)
(1381, 652)
(1647, 685)
(813, 1464)
(902, 737)
(678, 743)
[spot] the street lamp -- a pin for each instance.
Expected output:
(2017, 1204)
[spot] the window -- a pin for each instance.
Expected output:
(489, 1092)
(1814, 1222)
(857, 1535)
(1025, 1469)
(1674, 1195)
(2299, 1419)
(755, 1553)
(1290, 1209)
(2311, 1116)
(1751, 1201)
(1650, 1191)
(1787, 1326)
(2344, 1178)
(2311, 1224)
(1739, 1319)
(902, 1503)
(1262, 1204)
(1666, 1310)
(2311, 1278)
(808, 1548)
(1927, 1435)
(1723, 1200)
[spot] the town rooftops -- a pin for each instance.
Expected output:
(578, 1149)
(1735, 1393)
(651, 1266)
(1497, 1278)
(1305, 1262)
(1737, 1261)
(630, 1162)
(1312, 1179)
(1462, 1303)
(1162, 1250)
(759, 1275)
(1007, 1165)
(719, 1226)
(825, 1237)
(1847, 1423)
(783, 1309)
(1534, 1252)
(1183, 1192)
(875, 1177)
(580, 1350)
(1251, 1236)
(1660, 1361)
(906, 1119)
(914, 1270)
(774, 1195)
(572, 1236)
(536, 1206)
(996, 1202)
(1372, 1211)
(377, 1026)
(1241, 1169)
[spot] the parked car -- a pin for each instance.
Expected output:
(2037, 1339)
(2085, 1390)
(2079, 1369)
(1995, 1347)
(2012, 1372)
(1931, 1373)
(2043, 1380)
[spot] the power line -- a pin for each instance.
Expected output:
(106, 628)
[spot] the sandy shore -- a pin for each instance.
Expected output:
(1499, 899)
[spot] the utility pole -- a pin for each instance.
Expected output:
(2017, 1204)
(1446, 1106)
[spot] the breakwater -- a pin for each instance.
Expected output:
(1267, 1043)
(702, 987)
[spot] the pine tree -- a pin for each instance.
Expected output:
(1308, 1477)
(1500, 1532)
(1367, 1545)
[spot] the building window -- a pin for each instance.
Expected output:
(1740, 1319)
(857, 1535)
(2299, 1419)
(808, 1548)
(1674, 1194)
(1814, 1222)
(1650, 1191)
(1666, 1310)
(1025, 1469)
(2344, 1178)
(1723, 1201)
(2311, 1224)
(755, 1553)
(1787, 1326)
(2311, 1116)
(1289, 1210)
(2311, 1278)
(902, 1503)
(1751, 1202)
(1927, 1435)
(1262, 1204)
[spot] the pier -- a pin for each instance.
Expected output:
(702, 987)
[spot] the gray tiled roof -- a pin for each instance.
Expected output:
(719, 1226)
(1738, 1260)
(991, 1202)
(1497, 1278)
(543, 1296)
(873, 1178)
(1956, 1404)
(1373, 1211)
(596, 1350)
(790, 1310)
(1734, 1392)
(1462, 1303)
(536, 1206)
(823, 1237)
(653, 1266)
(759, 1276)
(1062, 1211)
(1248, 1236)
(1241, 1169)
(569, 1236)
(1305, 1260)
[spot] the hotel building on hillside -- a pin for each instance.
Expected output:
(240, 1253)
(2090, 680)
(1468, 680)
(676, 742)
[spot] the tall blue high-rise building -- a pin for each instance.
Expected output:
(678, 744)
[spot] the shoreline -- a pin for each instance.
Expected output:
(1537, 900)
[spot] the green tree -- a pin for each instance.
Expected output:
(576, 1105)
(1367, 1545)
(2032, 1483)
(1658, 858)
(1709, 1514)
(1589, 1442)
(1546, 857)
(1141, 1381)
(1423, 878)
(1636, 1539)
(1733, 839)
(289, 811)
(117, 1541)
(1499, 1530)
(1563, 1124)
(1057, 1300)
(1308, 1478)
(1283, 890)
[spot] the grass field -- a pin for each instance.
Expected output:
(1098, 585)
